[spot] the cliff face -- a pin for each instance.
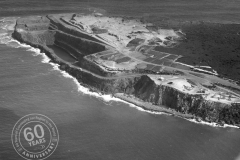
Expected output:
(147, 90)
(142, 87)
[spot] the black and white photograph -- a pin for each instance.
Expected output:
(119, 80)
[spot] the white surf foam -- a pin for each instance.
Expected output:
(21, 45)
(7, 39)
(13, 45)
(45, 58)
(105, 98)
(213, 124)
(55, 66)
(37, 52)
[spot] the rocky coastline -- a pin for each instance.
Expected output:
(140, 90)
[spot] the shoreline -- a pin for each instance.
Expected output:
(117, 97)
(167, 111)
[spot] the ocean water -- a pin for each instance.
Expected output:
(92, 127)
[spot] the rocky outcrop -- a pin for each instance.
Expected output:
(210, 111)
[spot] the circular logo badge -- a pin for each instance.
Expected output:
(35, 137)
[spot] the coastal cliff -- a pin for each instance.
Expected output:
(140, 87)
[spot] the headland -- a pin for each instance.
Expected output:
(143, 63)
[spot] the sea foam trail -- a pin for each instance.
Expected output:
(211, 124)
(6, 38)
(37, 52)
(104, 97)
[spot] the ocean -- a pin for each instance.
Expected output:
(95, 127)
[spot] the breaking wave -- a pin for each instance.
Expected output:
(211, 124)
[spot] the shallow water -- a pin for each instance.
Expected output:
(90, 127)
